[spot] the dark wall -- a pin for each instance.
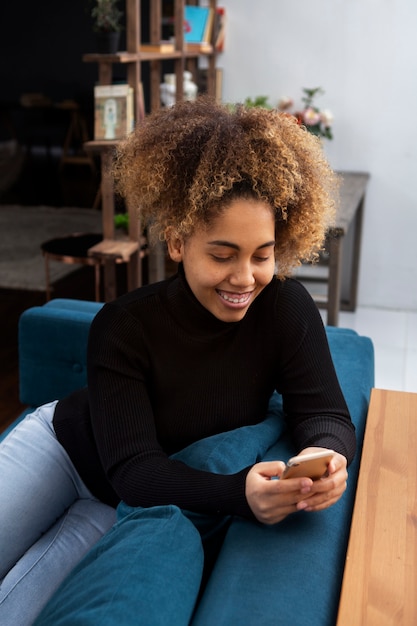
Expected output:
(41, 49)
(42, 43)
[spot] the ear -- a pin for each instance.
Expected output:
(175, 245)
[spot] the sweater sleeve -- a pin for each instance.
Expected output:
(313, 401)
(139, 470)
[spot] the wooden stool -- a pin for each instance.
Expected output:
(72, 249)
(109, 252)
(116, 250)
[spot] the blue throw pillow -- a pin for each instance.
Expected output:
(126, 578)
(152, 559)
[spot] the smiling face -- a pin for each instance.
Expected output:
(229, 263)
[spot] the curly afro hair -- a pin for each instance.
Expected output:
(183, 165)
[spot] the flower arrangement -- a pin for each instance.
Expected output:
(318, 122)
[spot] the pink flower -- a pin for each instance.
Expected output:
(327, 118)
(311, 117)
(316, 121)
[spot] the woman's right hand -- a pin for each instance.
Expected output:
(273, 500)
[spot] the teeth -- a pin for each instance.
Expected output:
(235, 300)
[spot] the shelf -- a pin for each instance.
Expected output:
(183, 58)
(101, 144)
(131, 57)
(134, 57)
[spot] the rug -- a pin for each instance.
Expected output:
(24, 229)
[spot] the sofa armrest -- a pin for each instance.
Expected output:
(52, 349)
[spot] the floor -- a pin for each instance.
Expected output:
(394, 335)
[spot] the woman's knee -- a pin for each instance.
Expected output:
(93, 517)
(150, 564)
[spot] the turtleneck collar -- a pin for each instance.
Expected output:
(188, 311)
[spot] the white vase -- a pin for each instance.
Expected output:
(168, 88)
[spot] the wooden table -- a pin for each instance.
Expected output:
(380, 579)
(343, 261)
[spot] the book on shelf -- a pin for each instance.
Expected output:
(219, 29)
(201, 47)
(113, 111)
(164, 47)
(198, 24)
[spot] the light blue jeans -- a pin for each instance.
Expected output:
(48, 518)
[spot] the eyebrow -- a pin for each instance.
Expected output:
(229, 244)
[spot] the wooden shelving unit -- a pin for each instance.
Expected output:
(133, 59)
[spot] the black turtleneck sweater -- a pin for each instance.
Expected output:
(163, 372)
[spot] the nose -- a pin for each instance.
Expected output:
(242, 275)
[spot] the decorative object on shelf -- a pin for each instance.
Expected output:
(168, 89)
(113, 111)
(318, 122)
(107, 24)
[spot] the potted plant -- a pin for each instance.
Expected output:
(107, 24)
(121, 222)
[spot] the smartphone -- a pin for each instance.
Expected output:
(313, 465)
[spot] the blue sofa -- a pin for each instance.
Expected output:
(290, 573)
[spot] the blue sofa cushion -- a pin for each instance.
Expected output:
(144, 567)
(112, 587)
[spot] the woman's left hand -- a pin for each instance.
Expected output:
(328, 490)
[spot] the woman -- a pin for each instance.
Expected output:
(240, 196)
